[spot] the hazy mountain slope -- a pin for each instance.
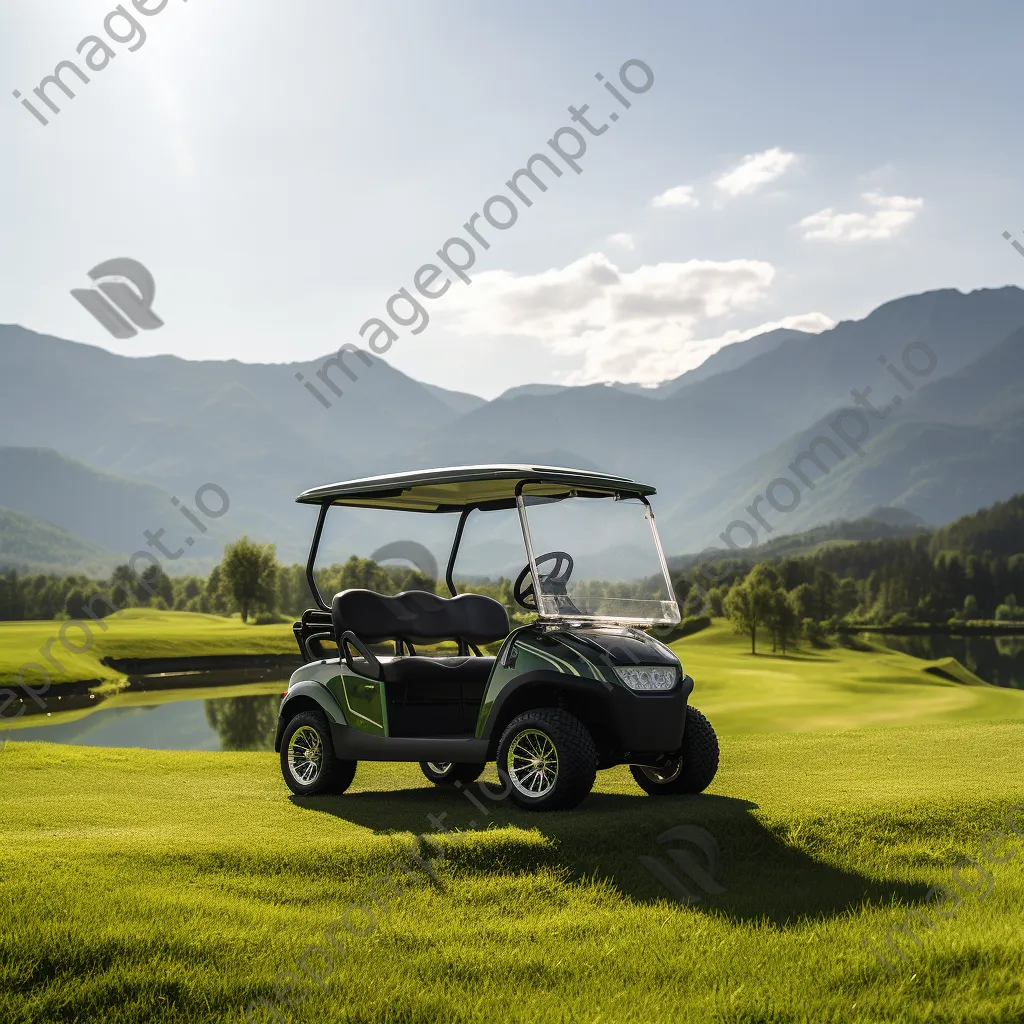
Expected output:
(702, 432)
(952, 446)
(731, 357)
(880, 524)
(998, 530)
(458, 401)
(104, 509)
(728, 358)
(28, 543)
(252, 429)
(532, 390)
(985, 391)
(255, 431)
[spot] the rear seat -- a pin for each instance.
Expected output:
(425, 696)
(419, 617)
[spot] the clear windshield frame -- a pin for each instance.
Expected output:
(672, 618)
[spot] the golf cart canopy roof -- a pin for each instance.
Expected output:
(459, 488)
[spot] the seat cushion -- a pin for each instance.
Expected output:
(418, 669)
(419, 617)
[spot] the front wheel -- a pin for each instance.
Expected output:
(692, 769)
(547, 760)
(443, 773)
(308, 762)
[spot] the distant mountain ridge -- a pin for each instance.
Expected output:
(31, 544)
(710, 440)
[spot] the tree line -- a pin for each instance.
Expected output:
(969, 571)
(248, 582)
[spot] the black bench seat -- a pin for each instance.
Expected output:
(425, 696)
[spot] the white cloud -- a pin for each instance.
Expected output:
(755, 170)
(671, 363)
(636, 326)
(624, 239)
(891, 215)
(680, 195)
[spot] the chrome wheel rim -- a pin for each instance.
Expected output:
(439, 767)
(533, 763)
(663, 776)
(305, 755)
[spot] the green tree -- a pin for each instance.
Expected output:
(716, 601)
(784, 619)
(825, 587)
(158, 585)
(1008, 611)
(215, 598)
(847, 597)
(748, 604)
(249, 571)
(804, 601)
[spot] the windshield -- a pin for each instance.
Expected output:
(598, 559)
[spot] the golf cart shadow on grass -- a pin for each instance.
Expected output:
(726, 861)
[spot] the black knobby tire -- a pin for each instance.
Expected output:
(332, 775)
(575, 759)
(446, 773)
(695, 767)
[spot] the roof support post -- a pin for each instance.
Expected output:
(310, 579)
(455, 551)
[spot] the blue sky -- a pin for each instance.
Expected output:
(283, 169)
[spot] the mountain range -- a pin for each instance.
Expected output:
(98, 445)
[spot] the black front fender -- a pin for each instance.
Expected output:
(619, 718)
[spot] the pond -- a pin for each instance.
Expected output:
(224, 718)
(244, 716)
(996, 659)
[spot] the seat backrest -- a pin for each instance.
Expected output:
(419, 617)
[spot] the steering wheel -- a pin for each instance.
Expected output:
(554, 581)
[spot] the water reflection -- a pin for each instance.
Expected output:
(244, 723)
(998, 660)
(173, 720)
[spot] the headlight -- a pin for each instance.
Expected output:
(648, 677)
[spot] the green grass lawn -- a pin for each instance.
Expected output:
(158, 886)
(835, 688)
(136, 633)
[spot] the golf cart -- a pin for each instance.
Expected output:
(581, 688)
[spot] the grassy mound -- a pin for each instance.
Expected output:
(831, 689)
(135, 633)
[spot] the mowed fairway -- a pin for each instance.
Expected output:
(151, 886)
(135, 633)
(835, 688)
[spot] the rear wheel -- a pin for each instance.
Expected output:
(692, 769)
(547, 760)
(444, 773)
(308, 762)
